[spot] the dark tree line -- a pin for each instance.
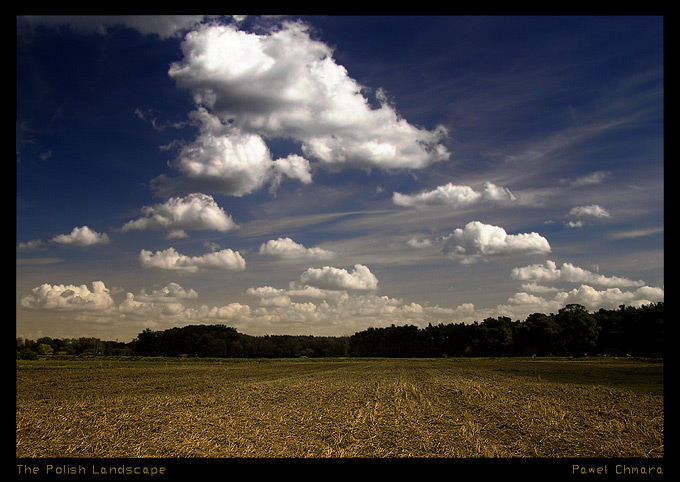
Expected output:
(572, 331)
(84, 346)
(222, 341)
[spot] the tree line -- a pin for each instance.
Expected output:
(572, 331)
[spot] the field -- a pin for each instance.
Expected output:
(340, 408)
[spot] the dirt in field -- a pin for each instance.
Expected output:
(352, 408)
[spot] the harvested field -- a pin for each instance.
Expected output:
(340, 408)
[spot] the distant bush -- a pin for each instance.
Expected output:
(27, 354)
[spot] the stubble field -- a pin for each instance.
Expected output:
(340, 408)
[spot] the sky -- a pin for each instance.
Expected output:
(320, 175)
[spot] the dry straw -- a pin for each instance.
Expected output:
(338, 408)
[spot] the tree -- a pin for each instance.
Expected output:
(146, 343)
(578, 328)
(499, 335)
(45, 349)
(539, 335)
(27, 354)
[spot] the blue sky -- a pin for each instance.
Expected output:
(320, 175)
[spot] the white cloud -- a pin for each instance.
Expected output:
(166, 302)
(194, 212)
(456, 196)
(549, 272)
(170, 259)
(477, 240)
(574, 224)
(522, 304)
(135, 307)
(590, 179)
(269, 295)
(328, 277)
(593, 211)
(176, 234)
(69, 297)
(284, 84)
(292, 166)
(637, 233)
(289, 249)
(33, 245)
(83, 236)
(159, 304)
(420, 243)
(497, 193)
(536, 288)
(171, 293)
(231, 311)
(612, 297)
(331, 309)
(227, 160)
(449, 194)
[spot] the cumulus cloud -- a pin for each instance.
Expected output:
(292, 166)
(536, 288)
(522, 304)
(82, 236)
(147, 308)
(33, 245)
(477, 240)
(227, 160)
(550, 273)
(270, 296)
(249, 87)
(449, 194)
(170, 259)
(157, 308)
(230, 311)
(171, 293)
(456, 196)
(611, 297)
(581, 213)
(326, 309)
(328, 277)
(166, 301)
(420, 243)
(196, 211)
(289, 249)
(69, 297)
(593, 210)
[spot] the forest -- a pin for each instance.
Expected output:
(572, 331)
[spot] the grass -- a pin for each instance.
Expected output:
(339, 408)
